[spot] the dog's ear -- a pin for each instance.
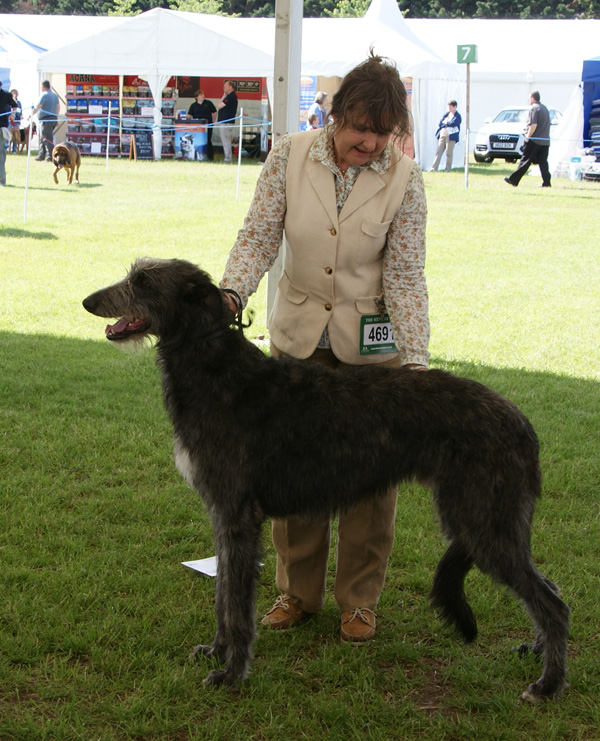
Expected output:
(208, 296)
(213, 301)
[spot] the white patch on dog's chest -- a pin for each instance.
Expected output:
(183, 462)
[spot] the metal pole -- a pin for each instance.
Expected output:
(467, 117)
(239, 164)
(108, 132)
(30, 135)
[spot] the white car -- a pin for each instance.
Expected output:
(502, 136)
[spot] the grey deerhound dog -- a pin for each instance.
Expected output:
(259, 437)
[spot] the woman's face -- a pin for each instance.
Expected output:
(356, 144)
(199, 98)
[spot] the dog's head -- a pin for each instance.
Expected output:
(164, 298)
(60, 156)
(187, 147)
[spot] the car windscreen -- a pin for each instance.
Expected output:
(512, 115)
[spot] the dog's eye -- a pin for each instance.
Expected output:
(142, 281)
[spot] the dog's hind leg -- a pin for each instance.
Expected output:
(551, 619)
(513, 567)
(238, 550)
(447, 594)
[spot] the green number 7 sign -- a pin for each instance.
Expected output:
(466, 53)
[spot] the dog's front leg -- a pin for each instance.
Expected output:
(55, 175)
(239, 552)
(217, 647)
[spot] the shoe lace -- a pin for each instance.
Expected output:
(362, 613)
(283, 602)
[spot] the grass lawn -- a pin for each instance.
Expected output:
(97, 616)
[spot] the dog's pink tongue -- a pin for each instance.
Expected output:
(117, 328)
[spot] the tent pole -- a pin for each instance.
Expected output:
(286, 96)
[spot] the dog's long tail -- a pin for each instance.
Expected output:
(448, 594)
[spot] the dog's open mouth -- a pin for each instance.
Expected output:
(125, 328)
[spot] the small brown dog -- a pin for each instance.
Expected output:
(66, 155)
(20, 139)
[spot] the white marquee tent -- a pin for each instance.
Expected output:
(161, 43)
(515, 57)
(18, 64)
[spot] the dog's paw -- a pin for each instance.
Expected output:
(222, 678)
(542, 690)
(214, 650)
(537, 649)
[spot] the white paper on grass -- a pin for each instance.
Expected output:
(206, 566)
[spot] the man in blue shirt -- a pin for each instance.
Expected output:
(47, 110)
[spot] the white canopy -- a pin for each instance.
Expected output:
(165, 42)
(18, 65)
(160, 43)
(515, 57)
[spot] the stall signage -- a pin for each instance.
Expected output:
(142, 145)
(93, 79)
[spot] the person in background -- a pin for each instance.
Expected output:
(353, 210)
(47, 110)
(318, 108)
(227, 110)
(203, 109)
(537, 143)
(312, 122)
(6, 107)
(447, 136)
(17, 115)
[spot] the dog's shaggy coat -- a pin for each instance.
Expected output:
(259, 437)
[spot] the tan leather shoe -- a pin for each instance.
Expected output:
(358, 625)
(283, 615)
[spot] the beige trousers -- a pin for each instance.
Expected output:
(444, 144)
(365, 541)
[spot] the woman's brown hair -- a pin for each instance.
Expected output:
(373, 95)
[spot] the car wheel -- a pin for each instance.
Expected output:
(511, 159)
(479, 158)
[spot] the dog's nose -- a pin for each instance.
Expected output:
(89, 303)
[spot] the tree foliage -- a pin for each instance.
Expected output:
(318, 8)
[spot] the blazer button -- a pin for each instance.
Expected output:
(328, 271)
(328, 307)
(332, 231)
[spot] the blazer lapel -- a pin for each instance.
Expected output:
(367, 185)
(320, 178)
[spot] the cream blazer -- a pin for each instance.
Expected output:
(332, 266)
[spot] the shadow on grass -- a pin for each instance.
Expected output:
(66, 187)
(96, 522)
(18, 233)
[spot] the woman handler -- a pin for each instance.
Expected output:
(350, 209)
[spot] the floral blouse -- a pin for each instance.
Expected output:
(404, 286)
